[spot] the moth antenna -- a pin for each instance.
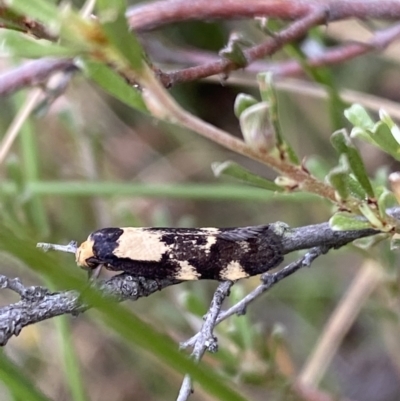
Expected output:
(70, 248)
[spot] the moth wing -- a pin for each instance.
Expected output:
(242, 233)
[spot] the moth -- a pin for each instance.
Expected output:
(182, 253)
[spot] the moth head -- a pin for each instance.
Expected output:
(84, 255)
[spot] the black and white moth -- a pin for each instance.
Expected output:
(183, 253)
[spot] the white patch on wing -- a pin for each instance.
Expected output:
(234, 271)
(186, 271)
(141, 244)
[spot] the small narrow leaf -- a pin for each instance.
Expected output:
(384, 138)
(344, 221)
(352, 186)
(234, 170)
(359, 117)
(384, 134)
(355, 188)
(242, 102)
(233, 51)
(385, 118)
(41, 10)
(342, 143)
(370, 215)
(361, 133)
(386, 200)
(18, 44)
(112, 83)
(256, 127)
(338, 179)
(115, 27)
(268, 95)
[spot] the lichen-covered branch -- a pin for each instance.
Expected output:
(39, 303)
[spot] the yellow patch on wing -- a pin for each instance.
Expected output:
(233, 272)
(186, 271)
(84, 252)
(140, 244)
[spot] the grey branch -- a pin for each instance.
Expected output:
(38, 303)
(205, 339)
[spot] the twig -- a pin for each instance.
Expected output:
(38, 71)
(380, 41)
(271, 45)
(149, 16)
(269, 280)
(32, 74)
(38, 303)
(205, 339)
(202, 340)
(122, 287)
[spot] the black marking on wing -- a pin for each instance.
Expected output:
(256, 250)
(105, 241)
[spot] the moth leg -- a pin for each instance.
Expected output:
(93, 274)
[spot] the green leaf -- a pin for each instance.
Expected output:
(344, 183)
(337, 177)
(344, 221)
(18, 44)
(40, 10)
(385, 118)
(361, 133)
(383, 137)
(370, 215)
(233, 51)
(386, 200)
(115, 26)
(18, 384)
(268, 95)
(234, 170)
(113, 83)
(380, 135)
(359, 117)
(342, 143)
(242, 102)
(256, 127)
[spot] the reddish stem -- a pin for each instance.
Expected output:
(156, 14)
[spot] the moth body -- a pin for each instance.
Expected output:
(183, 253)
